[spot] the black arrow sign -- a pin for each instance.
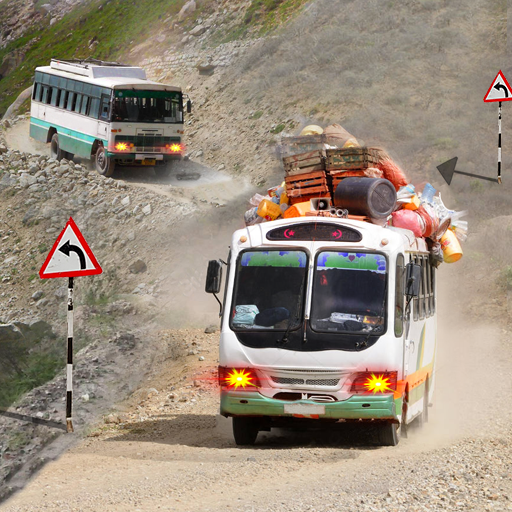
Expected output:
(447, 170)
(499, 86)
(67, 248)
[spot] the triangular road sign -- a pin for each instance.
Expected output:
(70, 256)
(500, 89)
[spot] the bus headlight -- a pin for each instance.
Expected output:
(238, 379)
(374, 382)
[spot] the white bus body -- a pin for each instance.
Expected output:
(107, 112)
(314, 327)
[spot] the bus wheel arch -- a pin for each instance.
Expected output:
(55, 150)
(51, 132)
(104, 164)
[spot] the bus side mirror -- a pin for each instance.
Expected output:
(189, 107)
(213, 277)
(412, 280)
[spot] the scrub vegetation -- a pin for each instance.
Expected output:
(89, 31)
(25, 366)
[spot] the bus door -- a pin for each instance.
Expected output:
(104, 116)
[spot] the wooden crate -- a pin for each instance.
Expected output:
(304, 163)
(351, 158)
(304, 143)
(312, 184)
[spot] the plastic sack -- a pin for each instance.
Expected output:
(256, 199)
(429, 216)
(251, 217)
(407, 219)
(391, 170)
(245, 315)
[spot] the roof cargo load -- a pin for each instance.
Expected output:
(98, 69)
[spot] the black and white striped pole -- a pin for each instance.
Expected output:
(499, 91)
(70, 257)
(69, 367)
(499, 143)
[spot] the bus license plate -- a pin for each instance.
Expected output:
(306, 409)
(149, 161)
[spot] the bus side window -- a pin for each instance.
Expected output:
(94, 109)
(428, 288)
(105, 107)
(44, 97)
(71, 101)
(85, 103)
(78, 103)
(433, 284)
(63, 99)
(422, 287)
(37, 92)
(416, 307)
(55, 97)
(399, 295)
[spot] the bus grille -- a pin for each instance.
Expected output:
(286, 380)
(147, 143)
(309, 382)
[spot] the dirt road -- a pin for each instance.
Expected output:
(172, 452)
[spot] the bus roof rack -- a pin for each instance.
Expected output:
(94, 68)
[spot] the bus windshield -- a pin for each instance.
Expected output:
(147, 107)
(349, 292)
(269, 289)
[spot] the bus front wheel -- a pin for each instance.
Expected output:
(104, 164)
(55, 151)
(389, 434)
(245, 430)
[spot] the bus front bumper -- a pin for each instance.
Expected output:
(381, 407)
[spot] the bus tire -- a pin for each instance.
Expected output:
(55, 151)
(389, 434)
(245, 430)
(104, 164)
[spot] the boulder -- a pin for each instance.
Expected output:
(198, 30)
(137, 267)
(187, 9)
(10, 333)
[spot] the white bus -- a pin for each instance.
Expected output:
(327, 320)
(107, 112)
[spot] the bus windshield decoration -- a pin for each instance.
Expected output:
(315, 231)
(269, 289)
(349, 292)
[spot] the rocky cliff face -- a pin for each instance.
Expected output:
(21, 16)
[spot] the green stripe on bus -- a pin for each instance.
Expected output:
(67, 131)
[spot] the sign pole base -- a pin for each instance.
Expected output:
(69, 426)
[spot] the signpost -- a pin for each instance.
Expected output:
(447, 170)
(499, 91)
(70, 257)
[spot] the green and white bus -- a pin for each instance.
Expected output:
(108, 112)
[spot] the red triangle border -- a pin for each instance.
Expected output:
(506, 83)
(76, 273)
